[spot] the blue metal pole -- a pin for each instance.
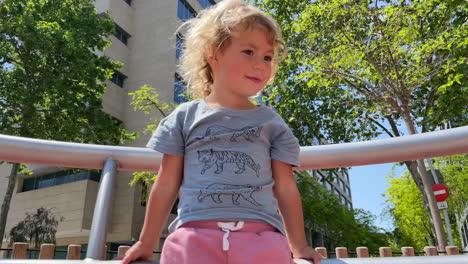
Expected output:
(101, 216)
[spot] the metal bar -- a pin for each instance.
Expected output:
(74, 155)
(412, 147)
(460, 259)
(97, 236)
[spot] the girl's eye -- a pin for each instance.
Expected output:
(248, 52)
(268, 58)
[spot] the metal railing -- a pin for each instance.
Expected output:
(115, 158)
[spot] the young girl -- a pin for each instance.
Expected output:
(230, 160)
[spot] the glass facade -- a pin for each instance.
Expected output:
(58, 178)
(206, 3)
(179, 90)
(185, 11)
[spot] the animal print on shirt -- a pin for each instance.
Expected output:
(247, 132)
(215, 190)
(210, 157)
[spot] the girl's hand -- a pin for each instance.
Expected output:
(139, 251)
(310, 254)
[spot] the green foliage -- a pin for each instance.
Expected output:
(340, 225)
(407, 209)
(147, 100)
(408, 213)
(36, 228)
(51, 77)
(353, 65)
(358, 68)
(455, 172)
(143, 179)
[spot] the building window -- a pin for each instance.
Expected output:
(343, 186)
(121, 34)
(179, 90)
(345, 172)
(179, 46)
(118, 78)
(58, 178)
(206, 3)
(343, 200)
(185, 11)
(336, 191)
(129, 2)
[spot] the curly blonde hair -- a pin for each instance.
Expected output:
(212, 30)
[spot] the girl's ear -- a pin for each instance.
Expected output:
(211, 57)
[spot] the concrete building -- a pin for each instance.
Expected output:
(145, 42)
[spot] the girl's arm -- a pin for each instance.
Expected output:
(161, 199)
(290, 207)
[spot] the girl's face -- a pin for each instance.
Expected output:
(243, 67)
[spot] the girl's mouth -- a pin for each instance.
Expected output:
(254, 79)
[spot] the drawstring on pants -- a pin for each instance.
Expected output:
(227, 227)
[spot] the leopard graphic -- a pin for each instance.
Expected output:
(247, 132)
(215, 190)
(210, 157)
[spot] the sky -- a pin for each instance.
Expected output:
(368, 184)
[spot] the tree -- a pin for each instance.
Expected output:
(341, 226)
(147, 100)
(455, 174)
(408, 213)
(407, 209)
(37, 228)
(51, 77)
(358, 68)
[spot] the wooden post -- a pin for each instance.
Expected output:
(407, 251)
(341, 252)
(74, 252)
(362, 252)
(385, 252)
(123, 249)
(19, 250)
(47, 251)
(452, 250)
(431, 251)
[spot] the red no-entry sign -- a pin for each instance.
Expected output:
(441, 192)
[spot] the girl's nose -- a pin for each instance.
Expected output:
(258, 63)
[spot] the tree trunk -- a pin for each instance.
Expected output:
(413, 169)
(7, 199)
(441, 242)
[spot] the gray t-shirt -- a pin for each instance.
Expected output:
(227, 161)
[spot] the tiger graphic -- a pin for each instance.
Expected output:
(247, 132)
(210, 157)
(215, 190)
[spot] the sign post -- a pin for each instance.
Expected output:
(441, 193)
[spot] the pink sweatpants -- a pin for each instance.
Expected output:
(204, 242)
